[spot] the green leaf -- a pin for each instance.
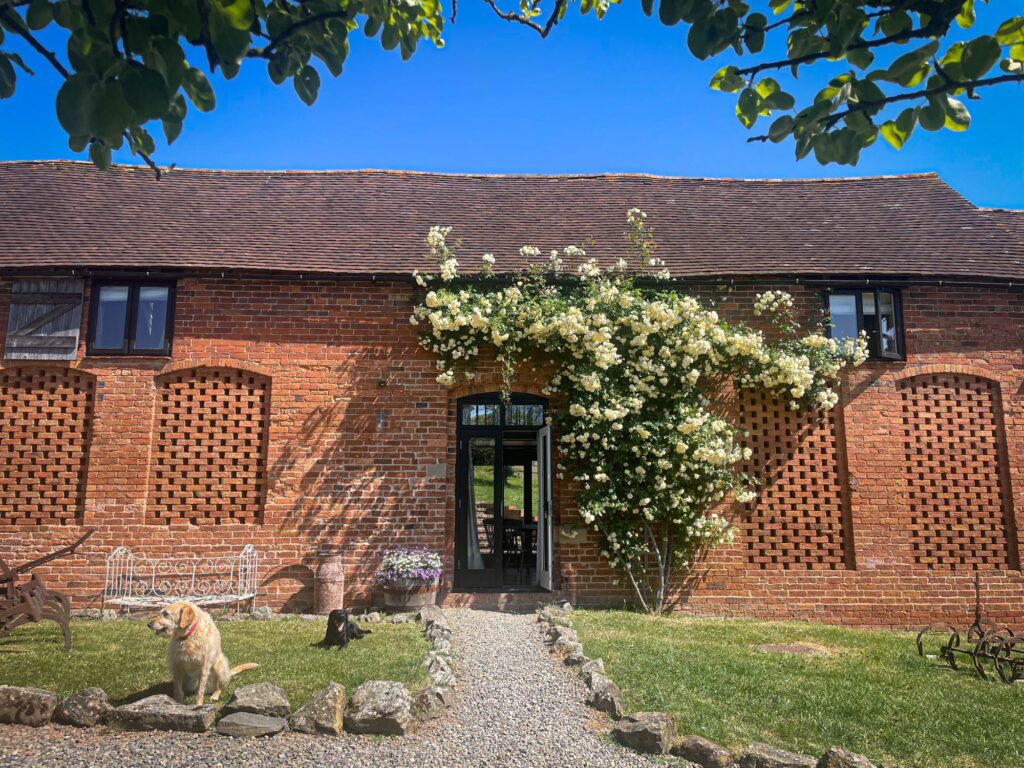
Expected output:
(139, 140)
(747, 107)
(966, 17)
(78, 143)
(171, 130)
(979, 56)
(167, 57)
(99, 153)
(237, 13)
(39, 14)
(198, 89)
(727, 80)
(669, 12)
(957, 116)
(911, 68)
(107, 113)
(754, 34)
(860, 57)
(372, 26)
(1011, 31)
(931, 117)
(781, 128)
(146, 92)
(229, 42)
(7, 77)
(389, 37)
(648, 6)
(307, 83)
(895, 23)
(897, 131)
(72, 99)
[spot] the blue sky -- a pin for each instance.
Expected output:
(621, 95)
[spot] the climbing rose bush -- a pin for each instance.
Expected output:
(636, 365)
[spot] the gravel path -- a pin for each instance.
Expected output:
(516, 708)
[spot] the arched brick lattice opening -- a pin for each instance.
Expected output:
(45, 431)
(956, 472)
(798, 520)
(209, 447)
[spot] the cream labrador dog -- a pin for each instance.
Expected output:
(195, 659)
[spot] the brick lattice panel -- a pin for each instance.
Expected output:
(957, 498)
(45, 426)
(797, 519)
(209, 448)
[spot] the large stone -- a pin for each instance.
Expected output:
(373, 617)
(249, 724)
(323, 713)
(432, 614)
(260, 699)
(575, 659)
(605, 695)
(162, 713)
(443, 646)
(430, 703)
(588, 669)
(402, 618)
(652, 733)
(564, 646)
(837, 757)
(26, 706)
(381, 707)
(439, 669)
(84, 709)
(437, 631)
(562, 633)
(703, 752)
(765, 756)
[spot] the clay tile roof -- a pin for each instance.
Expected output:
(1009, 220)
(68, 214)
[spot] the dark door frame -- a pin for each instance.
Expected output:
(465, 579)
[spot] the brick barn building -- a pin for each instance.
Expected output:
(224, 358)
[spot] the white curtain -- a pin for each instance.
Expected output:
(476, 560)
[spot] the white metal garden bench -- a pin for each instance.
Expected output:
(137, 581)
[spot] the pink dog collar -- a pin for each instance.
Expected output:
(191, 630)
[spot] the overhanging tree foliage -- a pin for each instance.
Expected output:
(887, 66)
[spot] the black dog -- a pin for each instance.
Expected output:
(341, 629)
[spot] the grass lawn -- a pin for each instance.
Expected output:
(875, 695)
(128, 661)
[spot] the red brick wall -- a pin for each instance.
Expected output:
(869, 516)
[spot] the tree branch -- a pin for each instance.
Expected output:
(15, 23)
(543, 31)
(266, 51)
(952, 85)
(938, 26)
(147, 160)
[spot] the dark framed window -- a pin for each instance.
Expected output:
(131, 317)
(876, 311)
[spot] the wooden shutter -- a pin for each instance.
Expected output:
(45, 318)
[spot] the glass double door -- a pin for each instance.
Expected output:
(503, 498)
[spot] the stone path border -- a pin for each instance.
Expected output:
(655, 732)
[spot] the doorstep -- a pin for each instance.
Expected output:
(513, 601)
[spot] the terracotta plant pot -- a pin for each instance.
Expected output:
(407, 593)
